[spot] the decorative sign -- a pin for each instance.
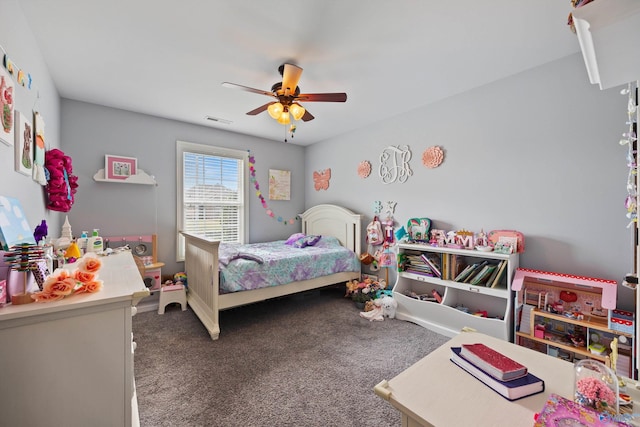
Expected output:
(394, 164)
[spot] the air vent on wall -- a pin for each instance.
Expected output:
(218, 120)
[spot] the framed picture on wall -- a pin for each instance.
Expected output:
(7, 102)
(279, 184)
(118, 167)
(23, 145)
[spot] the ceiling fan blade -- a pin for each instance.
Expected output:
(260, 109)
(322, 97)
(307, 116)
(290, 77)
(246, 88)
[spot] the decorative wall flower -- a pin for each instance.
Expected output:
(432, 157)
(364, 169)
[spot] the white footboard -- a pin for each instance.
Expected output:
(201, 263)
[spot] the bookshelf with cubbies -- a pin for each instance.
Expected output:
(433, 291)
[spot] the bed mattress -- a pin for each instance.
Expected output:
(259, 265)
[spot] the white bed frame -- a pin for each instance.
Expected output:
(201, 265)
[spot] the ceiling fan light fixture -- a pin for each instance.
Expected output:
(284, 118)
(275, 110)
(297, 111)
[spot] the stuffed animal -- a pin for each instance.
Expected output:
(180, 276)
(389, 306)
(369, 306)
(352, 286)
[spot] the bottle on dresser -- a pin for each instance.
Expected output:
(94, 243)
(82, 242)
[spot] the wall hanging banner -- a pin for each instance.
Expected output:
(254, 181)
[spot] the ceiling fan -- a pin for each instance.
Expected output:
(287, 95)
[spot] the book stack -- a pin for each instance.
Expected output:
(424, 264)
(505, 376)
(434, 264)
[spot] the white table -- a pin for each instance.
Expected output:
(436, 392)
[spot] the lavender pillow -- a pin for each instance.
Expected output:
(303, 242)
(294, 238)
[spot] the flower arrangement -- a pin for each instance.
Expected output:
(62, 283)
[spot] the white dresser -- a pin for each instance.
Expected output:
(70, 363)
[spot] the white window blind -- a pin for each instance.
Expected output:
(212, 193)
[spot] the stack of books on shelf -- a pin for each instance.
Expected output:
(426, 265)
(505, 376)
(483, 274)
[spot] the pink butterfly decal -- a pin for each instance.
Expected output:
(321, 179)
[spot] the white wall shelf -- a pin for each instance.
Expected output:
(608, 32)
(139, 178)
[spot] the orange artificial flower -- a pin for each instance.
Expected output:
(62, 287)
(89, 264)
(89, 287)
(83, 276)
(45, 297)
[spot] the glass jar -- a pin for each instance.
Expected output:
(596, 386)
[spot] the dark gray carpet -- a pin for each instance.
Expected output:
(303, 360)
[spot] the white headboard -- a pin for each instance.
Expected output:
(336, 221)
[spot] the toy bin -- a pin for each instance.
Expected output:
(622, 321)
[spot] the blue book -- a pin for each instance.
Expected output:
(510, 390)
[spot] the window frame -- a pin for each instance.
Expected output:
(209, 150)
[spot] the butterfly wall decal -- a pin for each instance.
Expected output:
(321, 179)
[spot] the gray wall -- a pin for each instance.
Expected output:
(537, 152)
(90, 131)
(18, 42)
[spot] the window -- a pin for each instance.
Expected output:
(212, 192)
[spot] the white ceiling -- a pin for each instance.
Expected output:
(169, 58)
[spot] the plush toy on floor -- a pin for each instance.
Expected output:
(388, 305)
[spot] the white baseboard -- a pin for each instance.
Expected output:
(149, 303)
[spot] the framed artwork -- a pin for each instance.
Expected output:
(38, 173)
(118, 167)
(23, 145)
(279, 185)
(7, 103)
